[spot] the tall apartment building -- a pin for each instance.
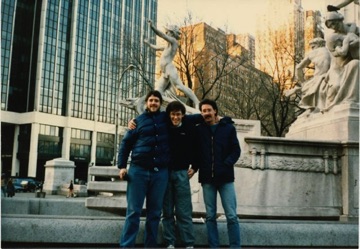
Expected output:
(280, 39)
(210, 55)
(248, 42)
(201, 48)
(63, 68)
(313, 28)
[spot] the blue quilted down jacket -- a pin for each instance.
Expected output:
(148, 143)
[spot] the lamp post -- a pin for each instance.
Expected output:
(130, 67)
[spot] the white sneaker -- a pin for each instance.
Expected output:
(170, 246)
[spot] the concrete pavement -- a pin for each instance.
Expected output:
(57, 221)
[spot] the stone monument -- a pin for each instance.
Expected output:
(57, 172)
(336, 120)
(337, 106)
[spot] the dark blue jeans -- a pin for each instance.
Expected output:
(228, 200)
(149, 184)
(177, 202)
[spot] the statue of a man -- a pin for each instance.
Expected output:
(169, 74)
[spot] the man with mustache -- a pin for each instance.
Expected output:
(218, 151)
(148, 173)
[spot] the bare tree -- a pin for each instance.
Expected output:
(279, 112)
(242, 93)
(203, 60)
(133, 83)
(254, 94)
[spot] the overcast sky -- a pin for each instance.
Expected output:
(233, 16)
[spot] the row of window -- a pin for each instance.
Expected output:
(53, 147)
(56, 54)
(7, 11)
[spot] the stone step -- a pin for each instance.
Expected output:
(104, 171)
(56, 219)
(114, 202)
(107, 186)
(92, 230)
(110, 194)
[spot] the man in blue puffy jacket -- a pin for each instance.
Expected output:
(219, 150)
(148, 172)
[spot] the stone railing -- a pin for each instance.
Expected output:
(274, 177)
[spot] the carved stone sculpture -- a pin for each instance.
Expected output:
(169, 75)
(313, 93)
(338, 94)
(343, 76)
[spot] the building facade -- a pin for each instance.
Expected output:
(280, 39)
(248, 42)
(313, 28)
(64, 67)
(219, 67)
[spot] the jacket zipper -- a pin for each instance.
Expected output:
(212, 154)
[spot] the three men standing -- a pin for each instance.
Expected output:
(217, 151)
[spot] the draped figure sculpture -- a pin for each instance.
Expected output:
(343, 76)
(312, 91)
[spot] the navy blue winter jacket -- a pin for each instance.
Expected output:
(217, 152)
(148, 143)
(182, 143)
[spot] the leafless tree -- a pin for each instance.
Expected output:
(203, 60)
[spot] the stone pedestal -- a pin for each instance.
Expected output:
(350, 180)
(341, 123)
(57, 172)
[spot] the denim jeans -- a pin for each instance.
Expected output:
(228, 200)
(177, 202)
(3, 191)
(149, 184)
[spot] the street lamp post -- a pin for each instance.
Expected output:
(130, 67)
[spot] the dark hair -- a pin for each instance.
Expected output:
(175, 106)
(208, 102)
(154, 93)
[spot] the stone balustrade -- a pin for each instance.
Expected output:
(274, 177)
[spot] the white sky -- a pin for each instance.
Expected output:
(233, 16)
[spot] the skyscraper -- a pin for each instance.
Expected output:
(61, 66)
(280, 39)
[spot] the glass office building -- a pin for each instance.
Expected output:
(64, 67)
